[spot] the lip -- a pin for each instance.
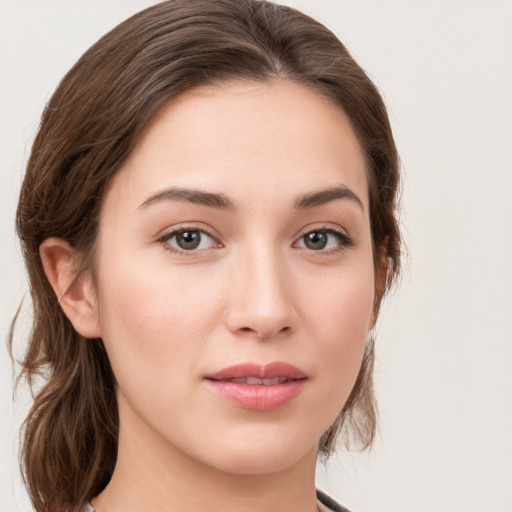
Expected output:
(258, 397)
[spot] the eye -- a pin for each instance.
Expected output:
(187, 240)
(324, 240)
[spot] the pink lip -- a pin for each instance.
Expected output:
(258, 397)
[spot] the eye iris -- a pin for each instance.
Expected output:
(315, 240)
(188, 239)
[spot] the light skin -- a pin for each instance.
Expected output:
(237, 231)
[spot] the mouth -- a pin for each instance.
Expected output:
(269, 374)
(255, 381)
(258, 387)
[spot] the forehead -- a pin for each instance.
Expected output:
(247, 140)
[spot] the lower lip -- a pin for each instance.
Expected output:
(258, 397)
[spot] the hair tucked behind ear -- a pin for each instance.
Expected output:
(87, 131)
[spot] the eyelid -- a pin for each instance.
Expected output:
(173, 231)
(344, 238)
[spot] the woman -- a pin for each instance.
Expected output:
(208, 220)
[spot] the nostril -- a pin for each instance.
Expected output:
(274, 332)
(264, 333)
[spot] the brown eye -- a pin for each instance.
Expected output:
(316, 240)
(324, 239)
(189, 240)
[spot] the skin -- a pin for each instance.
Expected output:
(252, 291)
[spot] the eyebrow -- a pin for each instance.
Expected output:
(222, 202)
(191, 195)
(322, 197)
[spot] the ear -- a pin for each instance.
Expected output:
(75, 294)
(381, 277)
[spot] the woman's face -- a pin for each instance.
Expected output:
(236, 280)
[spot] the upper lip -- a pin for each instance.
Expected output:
(260, 371)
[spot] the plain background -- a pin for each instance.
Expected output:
(444, 367)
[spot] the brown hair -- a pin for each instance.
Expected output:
(88, 129)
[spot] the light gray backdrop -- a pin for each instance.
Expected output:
(444, 370)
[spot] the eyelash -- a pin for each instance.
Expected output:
(164, 240)
(343, 239)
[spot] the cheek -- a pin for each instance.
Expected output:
(153, 319)
(340, 320)
(341, 308)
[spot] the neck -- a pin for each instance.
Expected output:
(151, 475)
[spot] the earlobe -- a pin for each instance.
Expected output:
(75, 294)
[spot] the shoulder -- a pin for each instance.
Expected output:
(329, 505)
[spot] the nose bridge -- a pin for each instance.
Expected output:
(261, 299)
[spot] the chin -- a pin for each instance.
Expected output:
(264, 456)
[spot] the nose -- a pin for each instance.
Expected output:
(261, 303)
